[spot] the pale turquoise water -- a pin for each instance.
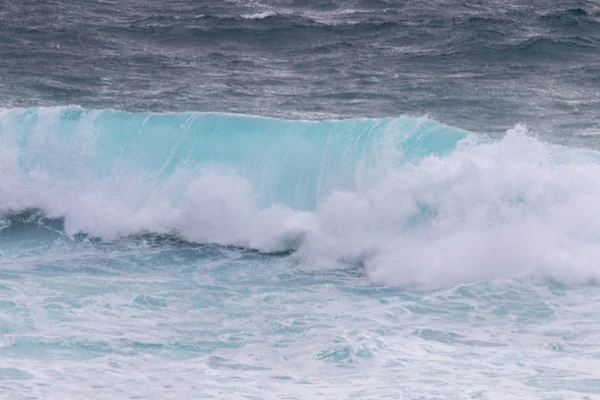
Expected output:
(157, 318)
(169, 256)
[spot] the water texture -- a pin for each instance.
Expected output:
(481, 65)
(291, 200)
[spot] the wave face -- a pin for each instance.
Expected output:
(412, 201)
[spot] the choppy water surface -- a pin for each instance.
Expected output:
(480, 65)
(153, 318)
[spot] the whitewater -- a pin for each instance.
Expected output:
(211, 255)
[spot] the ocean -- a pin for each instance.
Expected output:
(299, 199)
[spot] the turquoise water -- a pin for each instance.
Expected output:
(192, 255)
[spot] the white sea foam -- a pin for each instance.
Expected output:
(589, 132)
(259, 15)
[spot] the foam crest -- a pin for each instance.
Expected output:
(512, 209)
(259, 15)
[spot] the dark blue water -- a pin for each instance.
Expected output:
(479, 65)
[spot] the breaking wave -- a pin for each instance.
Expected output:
(413, 201)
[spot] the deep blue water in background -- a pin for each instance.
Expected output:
(299, 199)
(480, 65)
